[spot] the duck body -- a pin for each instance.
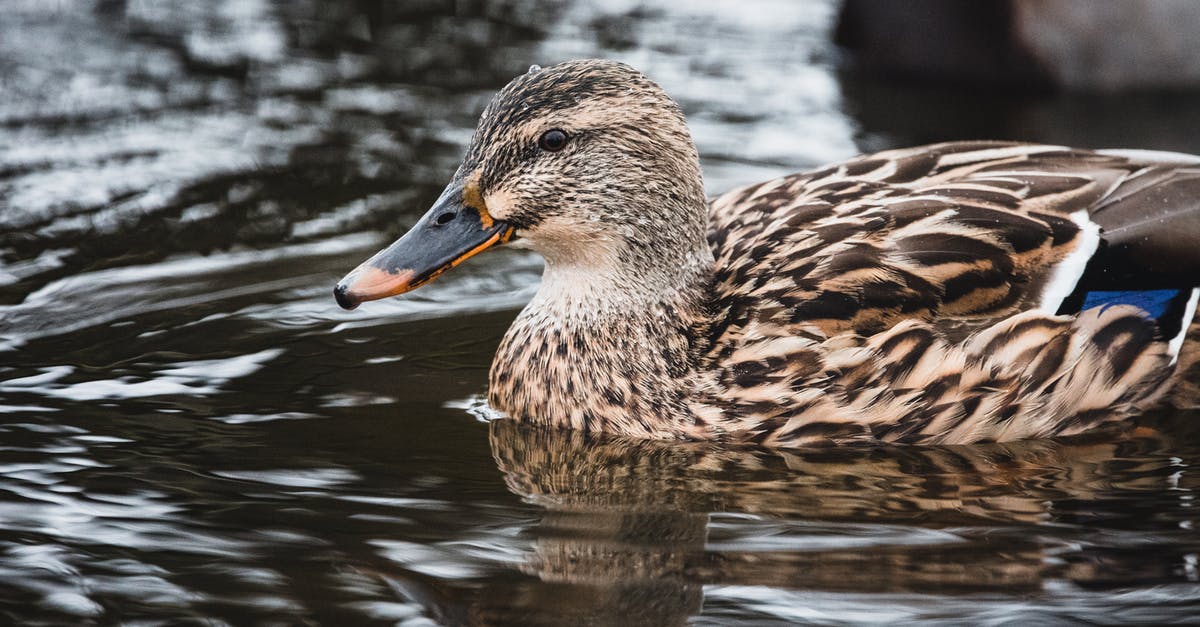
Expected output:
(952, 293)
(911, 296)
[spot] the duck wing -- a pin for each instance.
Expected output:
(952, 293)
(964, 233)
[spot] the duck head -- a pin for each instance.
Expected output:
(588, 162)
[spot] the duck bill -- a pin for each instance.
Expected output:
(447, 235)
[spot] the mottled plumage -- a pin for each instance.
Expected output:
(928, 295)
(900, 256)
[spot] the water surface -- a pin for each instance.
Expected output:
(193, 432)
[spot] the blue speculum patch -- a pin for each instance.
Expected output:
(1154, 302)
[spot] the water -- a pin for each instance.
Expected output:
(192, 432)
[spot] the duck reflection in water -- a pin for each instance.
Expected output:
(635, 530)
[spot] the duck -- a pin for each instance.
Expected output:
(954, 293)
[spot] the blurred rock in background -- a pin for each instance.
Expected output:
(1103, 45)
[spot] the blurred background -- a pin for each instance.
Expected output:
(191, 430)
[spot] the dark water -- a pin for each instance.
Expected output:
(192, 432)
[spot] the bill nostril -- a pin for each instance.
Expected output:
(445, 217)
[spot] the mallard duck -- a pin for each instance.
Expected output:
(953, 293)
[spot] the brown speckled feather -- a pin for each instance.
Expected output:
(1031, 375)
(963, 231)
(845, 297)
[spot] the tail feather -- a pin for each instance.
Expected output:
(1150, 227)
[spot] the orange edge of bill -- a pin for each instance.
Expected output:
(500, 237)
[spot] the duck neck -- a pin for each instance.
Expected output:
(602, 278)
(609, 343)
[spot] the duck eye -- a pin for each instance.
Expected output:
(553, 140)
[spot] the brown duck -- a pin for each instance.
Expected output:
(953, 293)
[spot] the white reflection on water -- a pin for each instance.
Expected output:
(294, 478)
(460, 559)
(242, 419)
(194, 378)
(94, 298)
(745, 532)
